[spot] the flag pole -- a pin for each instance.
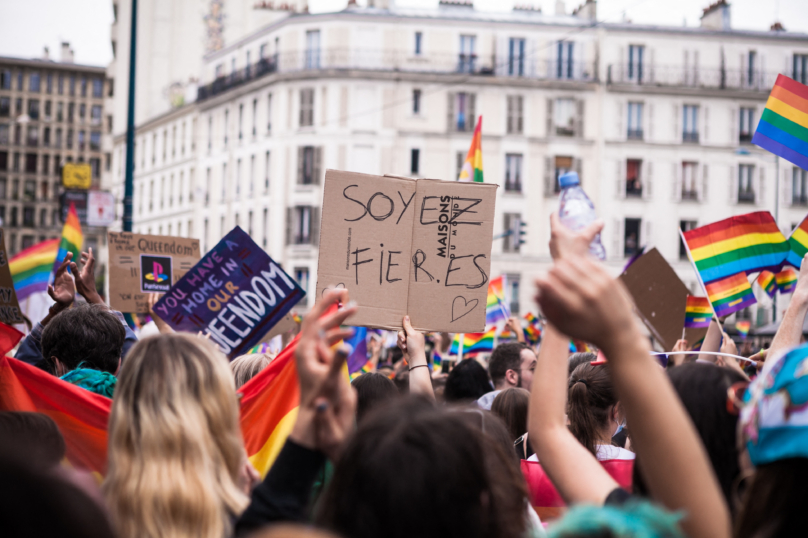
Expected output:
(698, 275)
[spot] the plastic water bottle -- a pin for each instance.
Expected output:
(576, 210)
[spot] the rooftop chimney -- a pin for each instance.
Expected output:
(560, 9)
(587, 10)
(46, 54)
(777, 27)
(716, 16)
(67, 53)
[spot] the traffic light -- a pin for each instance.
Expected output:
(518, 232)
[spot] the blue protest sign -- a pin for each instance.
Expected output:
(236, 293)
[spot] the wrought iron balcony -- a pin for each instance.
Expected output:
(689, 77)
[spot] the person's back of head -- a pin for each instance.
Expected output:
(511, 406)
(34, 436)
(505, 357)
(590, 404)
(468, 380)
(88, 335)
(248, 366)
(372, 390)
(491, 426)
(37, 502)
(577, 359)
(174, 441)
(414, 470)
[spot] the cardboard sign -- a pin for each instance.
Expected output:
(235, 293)
(660, 298)
(143, 264)
(77, 176)
(9, 306)
(405, 247)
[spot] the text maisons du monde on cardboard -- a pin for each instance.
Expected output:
(408, 247)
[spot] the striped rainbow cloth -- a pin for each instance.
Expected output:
(743, 328)
(72, 238)
(366, 369)
(742, 244)
(698, 312)
(798, 241)
(533, 329)
(730, 294)
(473, 342)
(31, 269)
(495, 308)
(786, 280)
(767, 283)
(506, 335)
(473, 166)
(783, 126)
(260, 348)
(437, 360)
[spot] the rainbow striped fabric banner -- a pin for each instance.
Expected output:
(697, 312)
(495, 307)
(730, 294)
(786, 280)
(473, 166)
(474, 342)
(767, 283)
(31, 269)
(783, 126)
(743, 244)
(798, 241)
(260, 348)
(743, 328)
(72, 238)
(367, 368)
(437, 360)
(533, 329)
(506, 335)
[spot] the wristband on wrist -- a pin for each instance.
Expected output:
(418, 366)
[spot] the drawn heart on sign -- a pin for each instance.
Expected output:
(459, 310)
(340, 285)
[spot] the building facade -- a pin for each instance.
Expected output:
(51, 113)
(656, 120)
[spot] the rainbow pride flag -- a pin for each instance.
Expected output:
(786, 280)
(473, 342)
(495, 307)
(743, 328)
(260, 348)
(533, 328)
(730, 294)
(783, 126)
(697, 312)
(366, 369)
(437, 360)
(473, 166)
(798, 241)
(31, 269)
(506, 334)
(72, 238)
(742, 244)
(359, 350)
(767, 283)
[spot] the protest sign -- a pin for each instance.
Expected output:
(235, 294)
(9, 306)
(660, 299)
(408, 247)
(142, 264)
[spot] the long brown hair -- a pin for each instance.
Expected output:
(511, 406)
(175, 448)
(591, 397)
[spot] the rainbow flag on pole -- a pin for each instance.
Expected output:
(767, 283)
(786, 280)
(743, 328)
(742, 244)
(474, 342)
(495, 307)
(72, 238)
(533, 329)
(31, 269)
(698, 312)
(730, 294)
(798, 241)
(783, 126)
(473, 166)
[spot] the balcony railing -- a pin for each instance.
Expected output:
(692, 137)
(374, 60)
(703, 78)
(634, 134)
(747, 197)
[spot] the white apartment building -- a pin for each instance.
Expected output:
(656, 120)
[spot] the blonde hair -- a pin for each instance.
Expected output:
(175, 447)
(246, 367)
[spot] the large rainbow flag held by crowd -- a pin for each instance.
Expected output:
(473, 166)
(783, 126)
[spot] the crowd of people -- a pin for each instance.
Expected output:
(537, 442)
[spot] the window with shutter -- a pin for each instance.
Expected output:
(289, 224)
(300, 165)
(315, 226)
(631, 237)
(450, 112)
(550, 116)
(506, 241)
(472, 117)
(548, 177)
(648, 181)
(317, 166)
(705, 182)
(579, 118)
(633, 178)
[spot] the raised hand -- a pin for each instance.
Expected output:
(564, 241)
(411, 343)
(162, 326)
(516, 327)
(85, 279)
(63, 289)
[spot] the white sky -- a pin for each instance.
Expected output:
(26, 26)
